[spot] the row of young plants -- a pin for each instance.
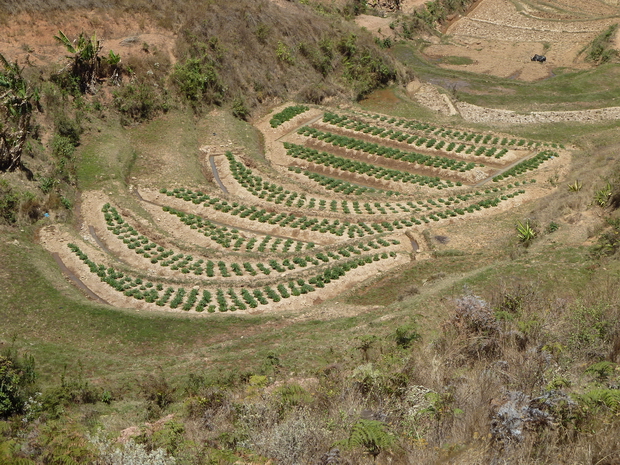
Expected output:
(527, 165)
(386, 208)
(275, 193)
(340, 185)
(456, 134)
(360, 229)
(186, 263)
(287, 114)
(219, 299)
(268, 191)
(463, 135)
(230, 238)
(352, 166)
(486, 203)
(431, 161)
(429, 139)
(289, 220)
(324, 226)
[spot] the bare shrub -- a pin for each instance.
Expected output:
(473, 316)
(300, 438)
(129, 453)
(473, 331)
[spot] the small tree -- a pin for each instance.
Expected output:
(85, 60)
(17, 375)
(17, 100)
(116, 73)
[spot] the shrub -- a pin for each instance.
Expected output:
(283, 52)
(198, 81)
(139, 101)
(17, 374)
(240, 109)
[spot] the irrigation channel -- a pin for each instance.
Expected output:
(77, 281)
(216, 175)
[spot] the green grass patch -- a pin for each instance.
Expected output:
(456, 60)
(103, 157)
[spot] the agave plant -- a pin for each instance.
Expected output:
(576, 186)
(525, 232)
(602, 196)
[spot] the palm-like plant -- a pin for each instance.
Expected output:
(17, 100)
(85, 60)
(114, 60)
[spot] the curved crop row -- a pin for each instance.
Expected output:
(527, 165)
(327, 159)
(290, 220)
(186, 263)
(222, 235)
(271, 192)
(359, 229)
(221, 299)
(340, 185)
(287, 114)
(445, 133)
(335, 227)
(374, 208)
(389, 152)
(455, 140)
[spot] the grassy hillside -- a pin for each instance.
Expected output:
(493, 348)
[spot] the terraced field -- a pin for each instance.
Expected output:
(500, 36)
(343, 197)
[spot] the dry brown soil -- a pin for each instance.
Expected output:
(30, 40)
(500, 36)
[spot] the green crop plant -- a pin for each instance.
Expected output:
(287, 114)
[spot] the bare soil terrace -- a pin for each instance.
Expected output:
(500, 37)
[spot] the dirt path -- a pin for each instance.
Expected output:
(429, 96)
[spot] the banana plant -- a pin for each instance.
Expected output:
(84, 59)
(114, 60)
(17, 102)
